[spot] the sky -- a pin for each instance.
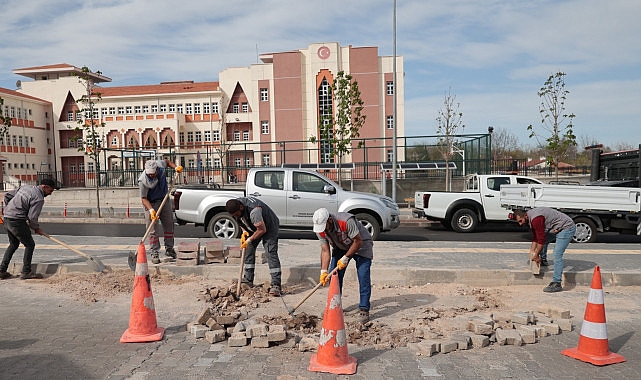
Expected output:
(492, 55)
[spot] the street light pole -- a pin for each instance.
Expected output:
(394, 147)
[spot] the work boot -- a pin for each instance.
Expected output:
(363, 316)
(170, 252)
(553, 287)
(30, 276)
(275, 290)
(247, 282)
(5, 275)
(544, 263)
(155, 258)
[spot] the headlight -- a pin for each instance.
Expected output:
(390, 203)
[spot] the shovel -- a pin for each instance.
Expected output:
(291, 311)
(93, 262)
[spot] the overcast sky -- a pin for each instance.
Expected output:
(493, 55)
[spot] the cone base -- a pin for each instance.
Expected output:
(129, 337)
(610, 358)
(348, 368)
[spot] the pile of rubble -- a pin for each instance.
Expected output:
(502, 329)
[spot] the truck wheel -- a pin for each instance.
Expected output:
(464, 220)
(585, 231)
(370, 223)
(223, 226)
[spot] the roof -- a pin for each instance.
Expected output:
(60, 69)
(162, 88)
(21, 95)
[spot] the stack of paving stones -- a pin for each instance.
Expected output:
(188, 253)
(225, 320)
(516, 329)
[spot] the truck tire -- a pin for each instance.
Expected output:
(585, 231)
(223, 226)
(370, 223)
(464, 220)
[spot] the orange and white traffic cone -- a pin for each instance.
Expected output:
(64, 211)
(142, 318)
(593, 343)
(128, 214)
(332, 353)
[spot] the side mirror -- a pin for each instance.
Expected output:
(329, 189)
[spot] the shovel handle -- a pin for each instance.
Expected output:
(311, 292)
(240, 272)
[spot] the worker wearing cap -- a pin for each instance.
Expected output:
(153, 189)
(21, 213)
(348, 239)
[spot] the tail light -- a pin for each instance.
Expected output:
(426, 200)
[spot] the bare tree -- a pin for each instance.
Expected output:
(225, 144)
(555, 121)
(448, 123)
(89, 124)
(5, 120)
(504, 144)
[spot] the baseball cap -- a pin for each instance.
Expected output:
(151, 166)
(51, 183)
(320, 219)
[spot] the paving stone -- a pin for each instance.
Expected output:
(550, 328)
(478, 340)
(528, 333)
(198, 331)
(448, 346)
(556, 312)
(215, 336)
(257, 330)
(260, 342)
(237, 339)
(508, 337)
(479, 324)
(424, 347)
(276, 333)
(522, 318)
(564, 324)
(213, 325)
(464, 341)
(204, 315)
(307, 344)
(227, 320)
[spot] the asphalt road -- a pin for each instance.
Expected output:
(487, 233)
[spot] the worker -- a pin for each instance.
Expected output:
(260, 223)
(153, 189)
(21, 213)
(546, 224)
(348, 239)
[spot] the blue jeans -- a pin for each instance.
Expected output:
(363, 265)
(563, 239)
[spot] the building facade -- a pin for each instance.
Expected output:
(263, 114)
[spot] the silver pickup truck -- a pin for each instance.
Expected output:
(293, 194)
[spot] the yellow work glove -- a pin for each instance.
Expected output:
(342, 263)
(244, 239)
(152, 215)
(324, 277)
(179, 169)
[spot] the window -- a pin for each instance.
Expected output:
(20, 113)
(72, 168)
(214, 108)
(137, 109)
(237, 162)
(172, 108)
(199, 136)
(103, 111)
(217, 162)
(216, 135)
(70, 116)
(266, 160)
(188, 109)
(114, 140)
(206, 108)
(72, 142)
(264, 127)
(264, 95)
(190, 163)
(145, 109)
(78, 115)
(95, 114)
(389, 88)
(19, 140)
(207, 136)
(269, 179)
(15, 140)
(121, 110)
(190, 137)
(112, 110)
(197, 108)
(307, 182)
(245, 107)
(236, 135)
(235, 108)
(154, 108)
(81, 167)
(90, 166)
(182, 138)
(325, 111)
(128, 110)
(390, 121)
(179, 108)
(390, 155)
(163, 108)
(13, 111)
(245, 135)
(248, 161)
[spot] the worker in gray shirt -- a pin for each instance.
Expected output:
(23, 207)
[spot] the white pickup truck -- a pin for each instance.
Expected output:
(593, 208)
(293, 194)
(464, 211)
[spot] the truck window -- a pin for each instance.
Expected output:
(307, 182)
(526, 181)
(494, 183)
(270, 179)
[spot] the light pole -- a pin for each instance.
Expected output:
(394, 147)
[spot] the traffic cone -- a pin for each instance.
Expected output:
(64, 211)
(593, 343)
(332, 353)
(142, 318)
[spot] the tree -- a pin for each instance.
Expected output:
(340, 125)
(448, 123)
(225, 145)
(504, 144)
(555, 121)
(91, 143)
(5, 120)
